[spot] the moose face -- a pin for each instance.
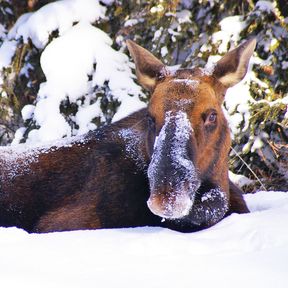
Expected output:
(188, 139)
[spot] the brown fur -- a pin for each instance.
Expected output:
(88, 185)
(97, 182)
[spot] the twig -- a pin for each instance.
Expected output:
(247, 165)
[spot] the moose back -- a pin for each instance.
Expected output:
(165, 165)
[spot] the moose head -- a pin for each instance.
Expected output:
(188, 139)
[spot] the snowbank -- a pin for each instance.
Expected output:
(241, 251)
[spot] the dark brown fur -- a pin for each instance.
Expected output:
(98, 182)
(90, 185)
(86, 186)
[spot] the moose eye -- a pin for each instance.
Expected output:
(210, 118)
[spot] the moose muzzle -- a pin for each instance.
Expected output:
(173, 178)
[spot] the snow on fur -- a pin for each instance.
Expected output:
(17, 159)
(176, 149)
(133, 142)
(206, 208)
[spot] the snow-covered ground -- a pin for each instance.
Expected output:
(241, 251)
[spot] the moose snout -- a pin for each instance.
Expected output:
(170, 207)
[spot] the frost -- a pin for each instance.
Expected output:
(189, 82)
(182, 103)
(16, 160)
(174, 149)
(212, 207)
(133, 145)
(212, 195)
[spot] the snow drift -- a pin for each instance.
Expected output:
(248, 250)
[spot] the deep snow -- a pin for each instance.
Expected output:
(241, 251)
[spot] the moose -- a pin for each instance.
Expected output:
(165, 165)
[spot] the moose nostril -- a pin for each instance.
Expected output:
(175, 209)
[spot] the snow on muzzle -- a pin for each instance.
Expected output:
(172, 175)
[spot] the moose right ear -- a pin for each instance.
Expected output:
(148, 67)
(232, 68)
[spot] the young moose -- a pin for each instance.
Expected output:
(168, 161)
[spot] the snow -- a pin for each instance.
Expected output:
(284, 65)
(79, 65)
(231, 27)
(237, 100)
(85, 115)
(131, 22)
(7, 51)
(60, 15)
(66, 62)
(133, 143)
(2, 31)
(184, 16)
(18, 157)
(266, 6)
(240, 180)
(249, 250)
(157, 9)
(189, 82)
(164, 51)
(27, 112)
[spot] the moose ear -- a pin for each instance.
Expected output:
(232, 67)
(148, 67)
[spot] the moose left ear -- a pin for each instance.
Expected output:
(232, 67)
(148, 67)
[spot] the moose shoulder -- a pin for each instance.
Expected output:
(168, 161)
